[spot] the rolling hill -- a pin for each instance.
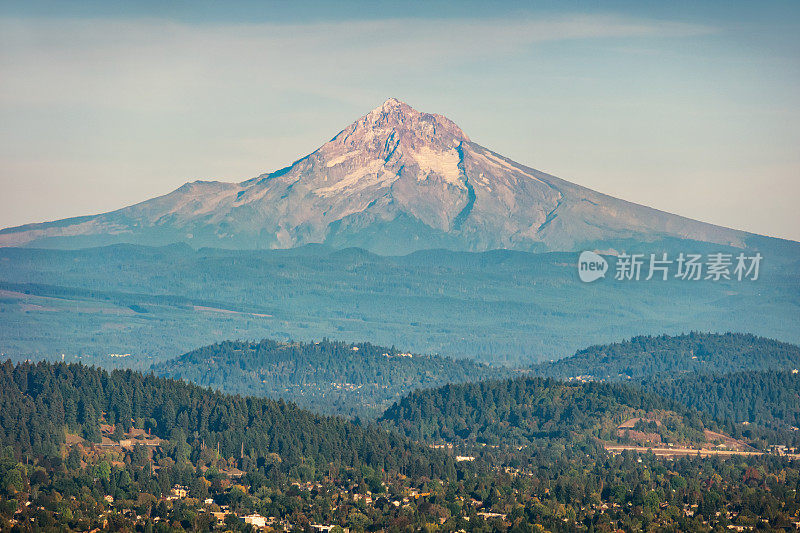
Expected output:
(770, 399)
(330, 377)
(749, 385)
(664, 357)
(41, 402)
(524, 411)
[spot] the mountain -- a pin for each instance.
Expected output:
(330, 377)
(395, 181)
(664, 356)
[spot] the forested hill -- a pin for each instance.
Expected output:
(770, 399)
(520, 411)
(696, 353)
(39, 402)
(329, 377)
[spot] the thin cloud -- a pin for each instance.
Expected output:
(116, 62)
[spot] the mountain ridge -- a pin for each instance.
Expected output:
(395, 181)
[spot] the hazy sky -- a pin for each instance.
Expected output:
(693, 110)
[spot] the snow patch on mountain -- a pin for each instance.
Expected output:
(442, 163)
(372, 174)
(342, 158)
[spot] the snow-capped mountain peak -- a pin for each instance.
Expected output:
(391, 139)
(395, 180)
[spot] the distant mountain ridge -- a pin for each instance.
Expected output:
(395, 181)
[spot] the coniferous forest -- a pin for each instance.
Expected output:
(84, 448)
(666, 356)
(332, 377)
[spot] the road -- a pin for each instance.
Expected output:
(673, 452)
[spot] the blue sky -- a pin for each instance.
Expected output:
(688, 108)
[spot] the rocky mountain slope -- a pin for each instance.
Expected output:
(395, 181)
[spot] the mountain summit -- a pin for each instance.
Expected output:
(394, 181)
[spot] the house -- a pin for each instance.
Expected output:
(255, 520)
(780, 449)
(488, 515)
(233, 472)
(326, 528)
